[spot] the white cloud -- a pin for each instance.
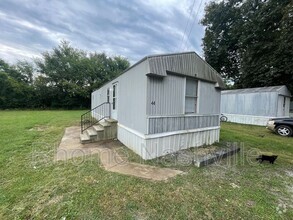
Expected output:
(131, 28)
(17, 52)
(167, 7)
(51, 35)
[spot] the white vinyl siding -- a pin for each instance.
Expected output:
(165, 95)
(108, 95)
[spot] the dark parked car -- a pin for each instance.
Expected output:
(282, 126)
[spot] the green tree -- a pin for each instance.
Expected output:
(4, 87)
(70, 75)
(25, 71)
(220, 43)
(63, 78)
(250, 42)
(16, 90)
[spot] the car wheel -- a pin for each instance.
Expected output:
(284, 130)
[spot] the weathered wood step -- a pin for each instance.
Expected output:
(91, 132)
(84, 138)
(105, 124)
(98, 128)
(111, 120)
(104, 130)
(100, 132)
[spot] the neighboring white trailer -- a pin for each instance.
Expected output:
(255, 105)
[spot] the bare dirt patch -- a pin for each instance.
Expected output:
(289, 173)
(285, 193)
(39, 128)
(55, 200)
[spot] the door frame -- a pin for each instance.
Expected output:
(115, 96)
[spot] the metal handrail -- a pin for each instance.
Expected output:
(87, 120)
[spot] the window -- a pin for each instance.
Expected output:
(114, 97)
(190, 96)
(108, 95)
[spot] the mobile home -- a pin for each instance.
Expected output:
(164, 103)
(255, 105)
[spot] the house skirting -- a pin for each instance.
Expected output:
(156, 145)
(248, 119)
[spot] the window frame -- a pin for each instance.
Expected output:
(114, 97)
(193, 97)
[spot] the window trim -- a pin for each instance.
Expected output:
(114, 96)
(195, 97)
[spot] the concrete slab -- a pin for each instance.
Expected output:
(145, 171)
(211, 158)
(71, 147)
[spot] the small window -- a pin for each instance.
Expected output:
(190, 96)
(114, 97)
(108, 95)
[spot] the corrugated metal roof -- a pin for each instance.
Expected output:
(278, 89)
(187, 63)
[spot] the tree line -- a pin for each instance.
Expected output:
(62, 78)
(250, 42)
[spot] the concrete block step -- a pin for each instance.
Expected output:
(111, 120)
(98, 128)
(91, 132)
(84, 138)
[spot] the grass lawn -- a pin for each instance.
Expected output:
(33, 186)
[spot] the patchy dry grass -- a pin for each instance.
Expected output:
(32, 186)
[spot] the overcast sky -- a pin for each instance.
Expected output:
(131, 28)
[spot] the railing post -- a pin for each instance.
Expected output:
(81, 124)
(87, 120)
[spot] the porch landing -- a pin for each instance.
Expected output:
(70, 147)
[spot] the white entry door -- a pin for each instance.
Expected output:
(115, 101)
